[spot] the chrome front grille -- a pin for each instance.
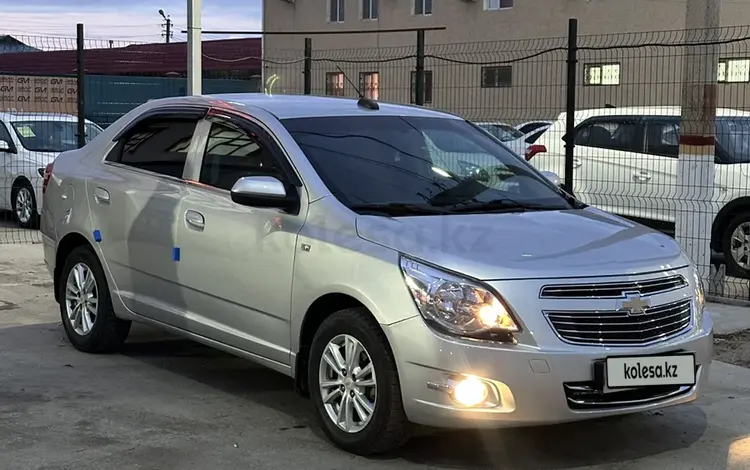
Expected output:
(621, 328)
(613, 290)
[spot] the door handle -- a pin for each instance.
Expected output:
(577, 162)
(195, 219)
(101, 196)
(641, 176)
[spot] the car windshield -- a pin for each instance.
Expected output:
(52, 136)
(503, 132)
(427, 164)
(733, 138)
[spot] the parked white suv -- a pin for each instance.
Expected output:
(626, 163)
(28, 142)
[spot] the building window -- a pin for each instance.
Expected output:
(336, 11)
(427, 86)
(422, 7)
(369, 84)
(733, 71)
(601, 74)
(370, 9)
(497, 4)
(335, 84)
(497, 77)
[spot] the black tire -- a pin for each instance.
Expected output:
(108, 332)
(388, 428)
(33, 221)
(733, 268)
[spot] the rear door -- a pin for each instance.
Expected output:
(657, 173)
(134, 204)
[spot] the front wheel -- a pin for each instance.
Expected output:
(355, 386)
(735, 244)
(24, 204)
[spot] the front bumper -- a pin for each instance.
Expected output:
(531, 380)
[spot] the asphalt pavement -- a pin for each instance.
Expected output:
(168, 403)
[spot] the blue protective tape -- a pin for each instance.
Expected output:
(176, 253)
(97, 236)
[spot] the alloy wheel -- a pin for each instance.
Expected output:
(81, 299)
(347, 383)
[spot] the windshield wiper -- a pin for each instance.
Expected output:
(504, 205)
(398, 208)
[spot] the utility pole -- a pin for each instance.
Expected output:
(195, 54)
(167, 25)
(695, 166)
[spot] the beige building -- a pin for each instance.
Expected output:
(499, 59)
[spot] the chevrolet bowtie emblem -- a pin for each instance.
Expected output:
(635, 304)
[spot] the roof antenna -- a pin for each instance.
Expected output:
(363, 102)
(608, 105)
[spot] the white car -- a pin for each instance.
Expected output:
(532, 130)
(517, 138)
(28, 143)
(507, 134)
(626, 163)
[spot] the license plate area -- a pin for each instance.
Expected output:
(621, 372)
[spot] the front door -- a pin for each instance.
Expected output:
(236, 262)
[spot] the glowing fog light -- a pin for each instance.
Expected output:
(470, 392)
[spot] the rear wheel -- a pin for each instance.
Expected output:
(86, 307)
(735, 244)
(355, 386)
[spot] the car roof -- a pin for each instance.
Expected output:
(26, 116)
(300, 106)
(648, 111)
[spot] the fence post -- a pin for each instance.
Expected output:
(419, 73)
(308, 66)
(570, 102)
(81, 78)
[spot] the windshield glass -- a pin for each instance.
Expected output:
(502, 131)
(52, 136)
(430, 162)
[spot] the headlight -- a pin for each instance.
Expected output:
(456, 305)
(700, 297)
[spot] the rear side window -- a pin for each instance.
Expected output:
(160, 146)
(663, 138)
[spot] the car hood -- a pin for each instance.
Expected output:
(529, 245)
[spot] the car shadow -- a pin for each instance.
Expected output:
(607, 441)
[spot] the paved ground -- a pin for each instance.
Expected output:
(166, 403)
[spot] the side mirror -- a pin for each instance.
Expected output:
(263, 191)
(4, 146)
(552, 176)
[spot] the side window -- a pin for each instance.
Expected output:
(663, 138)
(160, 146)
(613, 134)
(231, 154)
(4, 134)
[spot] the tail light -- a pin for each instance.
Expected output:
(533, 150)
(47, 176)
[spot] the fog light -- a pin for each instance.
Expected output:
(470, 392)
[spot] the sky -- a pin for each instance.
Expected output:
(128, 20)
